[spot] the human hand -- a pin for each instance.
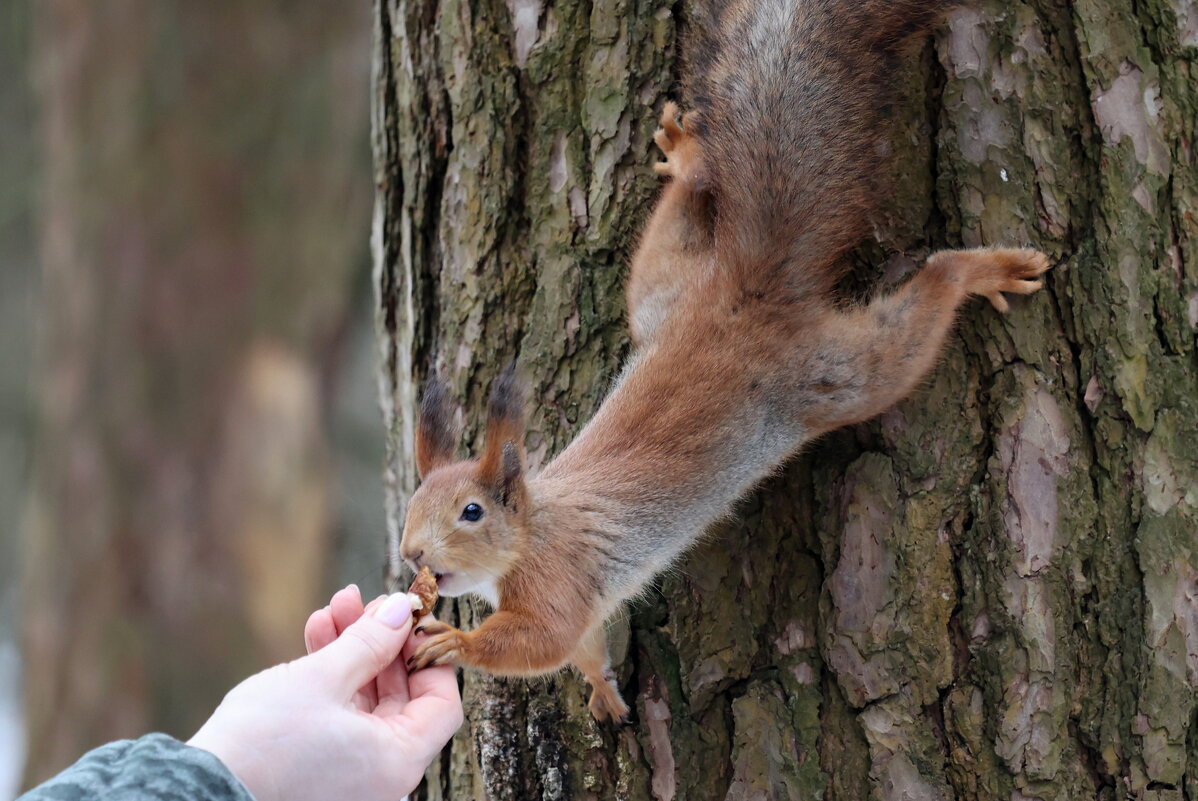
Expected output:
(346, 721)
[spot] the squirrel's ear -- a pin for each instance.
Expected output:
(437, 433)
(501, 466)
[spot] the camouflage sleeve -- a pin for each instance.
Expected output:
(154, 768)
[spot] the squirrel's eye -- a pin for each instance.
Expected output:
(472, 513)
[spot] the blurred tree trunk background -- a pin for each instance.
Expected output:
(17, 281)
(203, 218)
(991, 592)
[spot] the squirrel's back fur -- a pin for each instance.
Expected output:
(791, 99)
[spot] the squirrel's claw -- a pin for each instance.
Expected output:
(432, 627)
(440, 649)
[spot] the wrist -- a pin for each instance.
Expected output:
(241, 763)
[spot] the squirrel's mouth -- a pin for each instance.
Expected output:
(441, 577)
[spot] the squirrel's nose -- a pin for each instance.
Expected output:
(414, 559)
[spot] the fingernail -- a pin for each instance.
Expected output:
(396, 610)
(354, 587)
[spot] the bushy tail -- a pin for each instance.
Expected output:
(792, 98)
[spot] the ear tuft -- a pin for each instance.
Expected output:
(513, 475)
(501, 465)
(437, 433)
(506, 403)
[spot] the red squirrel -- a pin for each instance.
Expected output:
(742, 351)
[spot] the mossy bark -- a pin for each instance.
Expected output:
(991, 591)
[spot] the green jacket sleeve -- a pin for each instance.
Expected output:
(154, 768)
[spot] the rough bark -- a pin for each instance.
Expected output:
(198, 232)
(991, 591)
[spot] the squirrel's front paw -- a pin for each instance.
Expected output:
(680, 145)
(445, 646)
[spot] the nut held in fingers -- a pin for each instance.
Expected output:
(424, 590)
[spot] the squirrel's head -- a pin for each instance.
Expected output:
(468, 520)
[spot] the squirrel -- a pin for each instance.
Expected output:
(742, 352)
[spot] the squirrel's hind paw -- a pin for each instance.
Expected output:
(1018, 271)
(607, 705)
(680, 146)
(990, 272)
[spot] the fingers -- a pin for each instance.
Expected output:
(320, 630)
(375, 604)
(434, 710)
(346, 606)
(366, 647)
(368, 697)
(392, 684)
(434, 716)
(324, 625)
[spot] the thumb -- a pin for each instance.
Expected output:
(368, 646)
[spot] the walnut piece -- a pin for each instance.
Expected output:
(424, 592)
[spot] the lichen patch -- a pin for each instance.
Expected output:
(1033, 455)
(1131, 108)
(526, 15)
(663, 783)
(1187, 22)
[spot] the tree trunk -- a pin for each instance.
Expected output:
(198, 232)
(991, 591)
(17, 280)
